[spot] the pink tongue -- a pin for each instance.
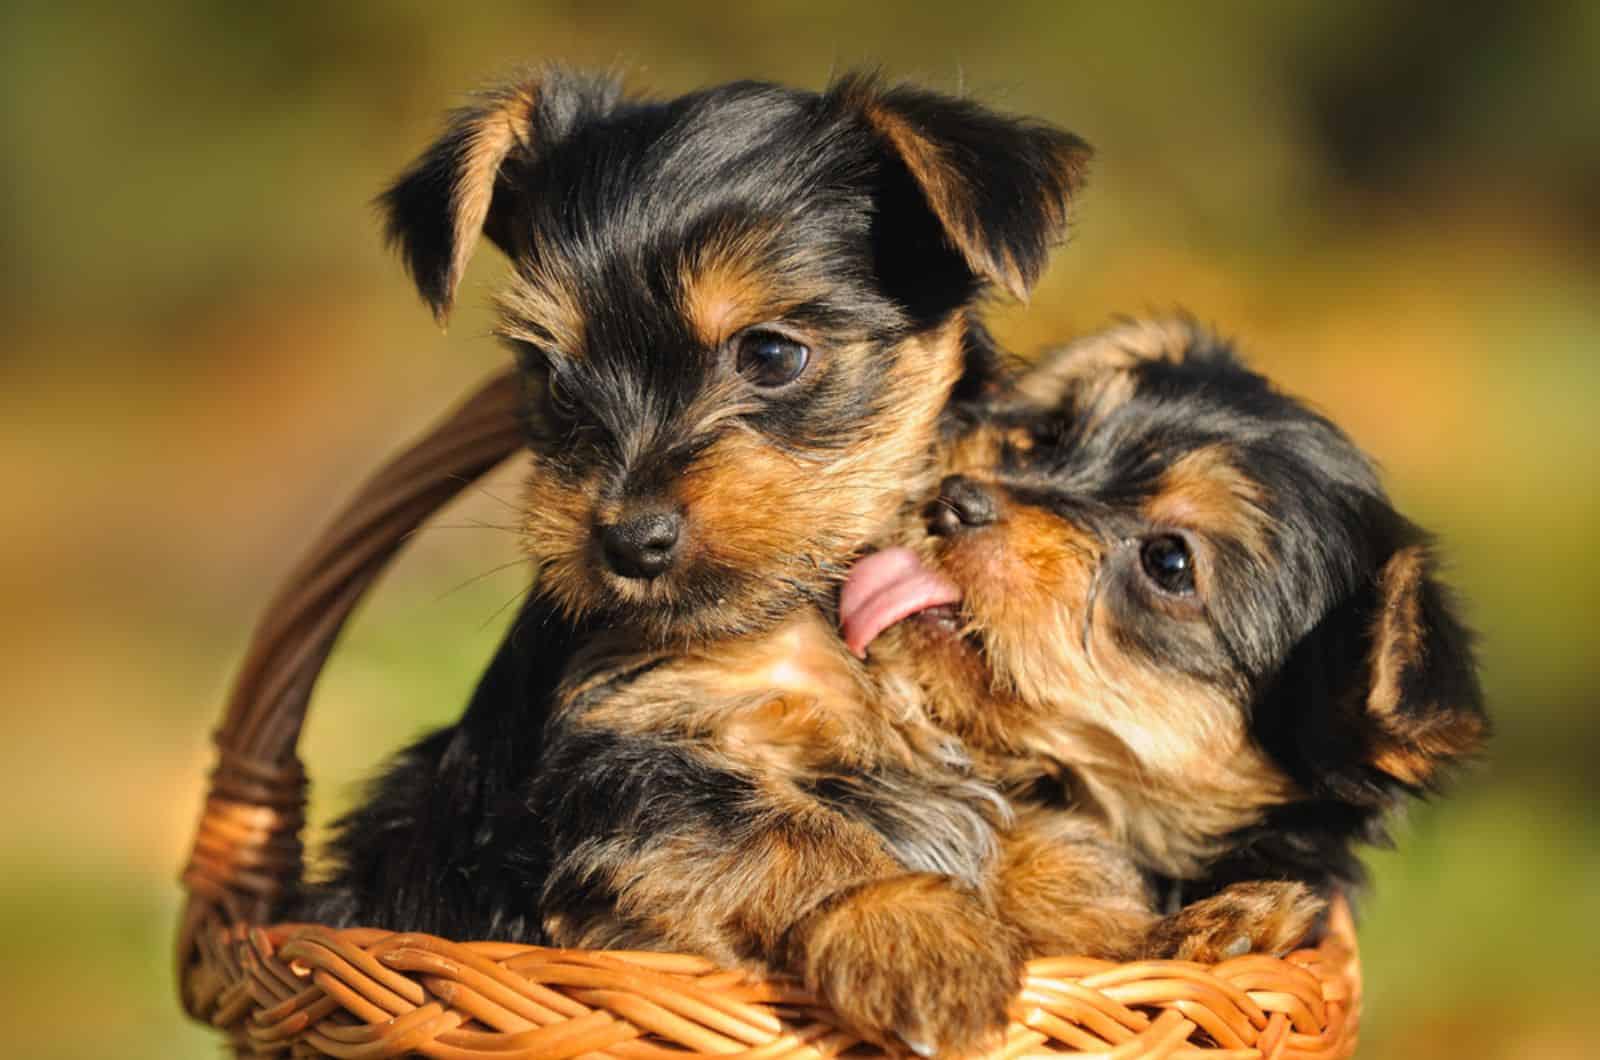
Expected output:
(882, 589)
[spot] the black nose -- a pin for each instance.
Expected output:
(642, 546)
(962, 505)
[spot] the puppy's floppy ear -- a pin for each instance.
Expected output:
(1423, 707)
(999, 187)
(1382, 697)
(459, 188)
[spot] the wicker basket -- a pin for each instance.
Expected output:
(305, 990)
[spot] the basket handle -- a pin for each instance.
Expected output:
(247, 849)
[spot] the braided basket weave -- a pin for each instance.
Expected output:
(309, 991)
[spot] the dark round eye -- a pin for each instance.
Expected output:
(1168, 562)
(558, 398)
(769, 359)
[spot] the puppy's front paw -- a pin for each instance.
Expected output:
(914, 963)
(1267, 916)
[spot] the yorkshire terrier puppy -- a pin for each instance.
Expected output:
(741, 315)
(1168, 608)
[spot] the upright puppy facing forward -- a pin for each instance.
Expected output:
(741, 315)
(1162, 597)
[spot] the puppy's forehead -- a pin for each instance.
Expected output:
(649, 167)
(1192, 440)
(717, 209)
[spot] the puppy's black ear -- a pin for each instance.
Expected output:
(1423, 709)
(1382, 697)
(999, 187)
(460, 189)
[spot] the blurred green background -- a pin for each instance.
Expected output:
(1394, 206)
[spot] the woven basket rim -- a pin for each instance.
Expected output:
(311, 990)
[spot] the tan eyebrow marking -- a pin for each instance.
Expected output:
(722, 299)
(1205, 490)
(729, 283)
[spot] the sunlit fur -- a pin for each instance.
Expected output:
(1256, 728)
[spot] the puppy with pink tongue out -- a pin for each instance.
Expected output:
(950, 632)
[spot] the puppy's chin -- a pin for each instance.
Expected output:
(697, 603)
(937, 653)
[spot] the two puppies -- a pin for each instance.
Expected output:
(746, 318)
